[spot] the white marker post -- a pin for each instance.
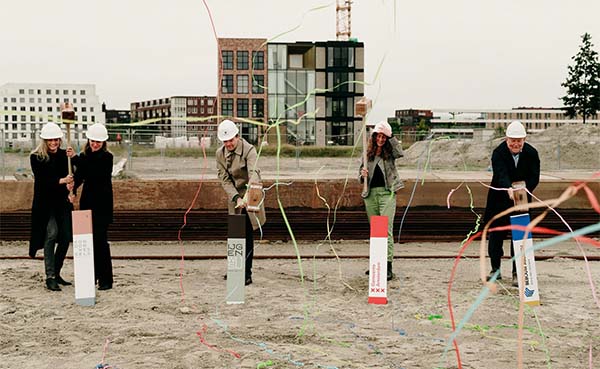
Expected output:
(378, 260)
(236, 259)
(529, 292)
(83, 258)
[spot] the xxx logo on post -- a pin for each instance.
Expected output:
(528, 292)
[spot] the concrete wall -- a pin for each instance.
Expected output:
(164, 195)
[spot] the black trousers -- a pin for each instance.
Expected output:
(496, 250)
(249, 244)
(102, 258)
(56, 244)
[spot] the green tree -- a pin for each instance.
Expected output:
(583, 82)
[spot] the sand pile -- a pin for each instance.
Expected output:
(568, 147)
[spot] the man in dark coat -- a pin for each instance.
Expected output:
(512, 161)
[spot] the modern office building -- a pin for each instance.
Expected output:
(309, 89)
(177, 116)
(27, 106)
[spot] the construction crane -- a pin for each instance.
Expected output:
(343, 22)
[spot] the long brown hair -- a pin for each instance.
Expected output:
(87, 149)
(386, 149)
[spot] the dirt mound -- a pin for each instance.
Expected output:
(572, 146)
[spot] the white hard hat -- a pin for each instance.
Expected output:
(516, 130)
(97, 132)
(227, 130)
(51, 130)
(383, 127)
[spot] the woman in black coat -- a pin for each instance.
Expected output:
(94, 171)
(51, 209)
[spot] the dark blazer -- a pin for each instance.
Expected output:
(505, 173)
(49, 197)
(94, 171)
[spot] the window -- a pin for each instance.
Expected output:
(242, 84)
(227, 84)
(23, 127)
(84, 118)
(242, 60)
(340, 57)
(21, 91)
(242, 108)
(31, 91)
(227, 59)
(65, 92)
(227, 107)
(84, 109)
(258, 108)
(83, 101)
(74, 92)
(49, 108)
(82, 92)
(48, 92)
(258, 82)
(258, 60)
(341, 81)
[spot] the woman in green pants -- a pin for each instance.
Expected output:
(382, 180)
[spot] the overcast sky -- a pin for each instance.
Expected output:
(434, 54)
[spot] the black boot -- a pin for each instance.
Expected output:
(59, 280)
(390, 274)
(52, 285)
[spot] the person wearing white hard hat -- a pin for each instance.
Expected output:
(94, 171)
(51, 209)
(513, 160)
(236, 168)
(383, 180)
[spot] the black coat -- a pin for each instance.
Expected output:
(505, 173)
(49, 197)
(94, 171)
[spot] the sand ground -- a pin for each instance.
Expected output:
(171, 314)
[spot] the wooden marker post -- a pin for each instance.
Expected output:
(83, 258)
(255, 197)
(236, 259)
(378, 260)
(362, 108)
(525, 261)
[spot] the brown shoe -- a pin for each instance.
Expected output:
(515, 280)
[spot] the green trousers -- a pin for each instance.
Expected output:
(383, 202)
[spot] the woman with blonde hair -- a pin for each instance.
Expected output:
(51, 209)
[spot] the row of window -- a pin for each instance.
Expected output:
(194, 102)
(48, 100)
(33, 126)
(32, 91)
(32, 118)
(48, 108)
(242, 62)
(258, 108)
(258, 84)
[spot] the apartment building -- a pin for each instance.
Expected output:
(243, 84)
(309, 89)
(177, 116)
(27, 106)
